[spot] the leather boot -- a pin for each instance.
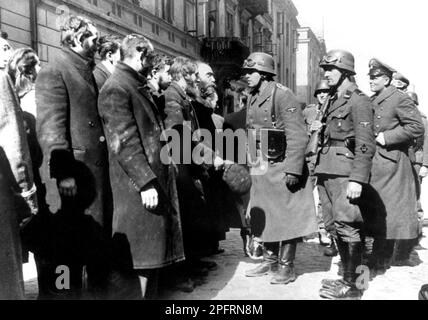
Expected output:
(269, 262)
(331, 250)
(343, 252)
(347, 289)
(287, 254)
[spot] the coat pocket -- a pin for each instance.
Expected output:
(344, 152)
(393, 155)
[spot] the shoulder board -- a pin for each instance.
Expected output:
(280, 86)
(347, 94)
(359, 92)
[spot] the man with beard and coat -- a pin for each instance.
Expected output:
(75, 155)
(146, 221)
(281, 192)
(343, 167)
(397, 124)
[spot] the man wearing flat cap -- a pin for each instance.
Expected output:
(397, 123)
(399, 81)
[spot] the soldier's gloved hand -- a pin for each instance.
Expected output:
(423, 172)
(67, 187)
(354, 190)
(380, 139)
(149, 197)
(291, 180)
(316, 125)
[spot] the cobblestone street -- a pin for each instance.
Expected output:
(228, 282)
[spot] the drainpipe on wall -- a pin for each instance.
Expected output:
(33, 24)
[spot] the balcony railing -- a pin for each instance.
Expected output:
(255, 7)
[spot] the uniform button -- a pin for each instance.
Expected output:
(347, 154)
(266, 119)
(376, 134)
(102, 139)
(377, 126)
(379, 117)
(91, 124)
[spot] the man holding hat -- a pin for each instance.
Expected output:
(397, 124)
(399, 81)
(281, 193)
(343, 167)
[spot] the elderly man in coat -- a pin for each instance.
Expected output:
(146, 221)
(281, 195)
(75, 153)
(397, 124)
(17, 189)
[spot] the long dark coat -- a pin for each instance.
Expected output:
(71, 135)
(392, 174)
(133, 126)
(101, 75)
(15, 177)
(288, 213)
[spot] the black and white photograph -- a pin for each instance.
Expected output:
(229, 151)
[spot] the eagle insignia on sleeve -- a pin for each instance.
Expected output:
(364, 148)
(291, 110)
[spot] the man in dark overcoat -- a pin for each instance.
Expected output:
(343, 167)
(75, 155)
(397, 124)
(146, 221)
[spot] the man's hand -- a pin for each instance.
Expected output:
(67, 187)
(291, 180)
(149, 197)
(354, 190)
(423, 172)
(380, 139)
(316, 125)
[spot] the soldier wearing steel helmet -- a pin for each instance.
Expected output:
(399, 81)
(325, 217)
(281, 196)
(343, 167)
(397, 124)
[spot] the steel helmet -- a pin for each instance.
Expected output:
(340, 59)
(414, 97)
(321, 86)
(260, 61)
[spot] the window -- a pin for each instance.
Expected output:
(167, 10)
(116, 9)
(190, 15)
(212, 19)
(93, 2)
(229, 24)
(280, 23)
(155, 28)
(184, 43)
(171, 36)
(138, 20)
(287, 34)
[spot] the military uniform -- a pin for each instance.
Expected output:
(348, 116)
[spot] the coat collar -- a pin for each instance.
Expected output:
(100, 66)
(385, 94)
(343, 98)
(264, 95)
(180, 91)
(83, 65)
(140, 82)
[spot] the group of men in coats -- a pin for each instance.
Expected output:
(129, 213)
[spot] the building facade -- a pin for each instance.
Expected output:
(170, 25)
(310, 51)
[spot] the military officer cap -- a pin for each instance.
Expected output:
(378, 68)
(398, 76)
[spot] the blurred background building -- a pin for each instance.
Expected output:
(221, 32)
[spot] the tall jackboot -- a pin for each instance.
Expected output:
(331, 250)
(347, 288)
(269, 262)
(343, 252)
(287, 254)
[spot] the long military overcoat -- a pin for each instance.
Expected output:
(133, 127)
(15, 177)
(392, 174)
(284, 213)
(71, 135)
